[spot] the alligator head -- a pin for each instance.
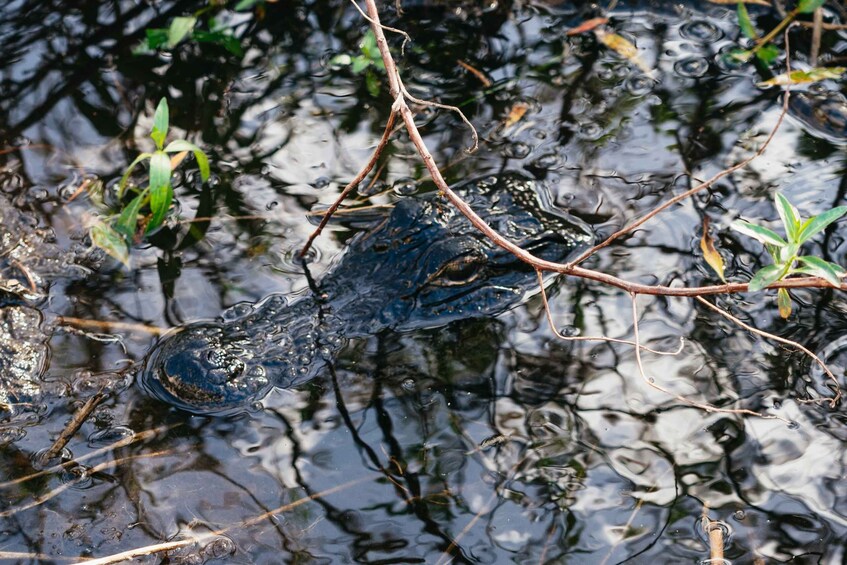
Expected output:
(423, 266)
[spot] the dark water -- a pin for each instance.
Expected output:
(384, 457)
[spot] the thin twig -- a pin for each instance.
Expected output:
(160, 547)
(140, 436)
(74, 425)
(386, 135)
(102, 325)
(475, 145)
(817, 22)
(406, 37)
(549, 315)
(652, 383)
(832, 401)
(688, 193)
(38, 501)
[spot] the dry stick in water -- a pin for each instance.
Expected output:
(74, 425)
(651, 382)
(140, 436)
(386, 135)
(167, 546)
(103, 325)
(832, 401)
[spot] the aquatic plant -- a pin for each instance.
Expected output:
(150, 204)
(785, 252)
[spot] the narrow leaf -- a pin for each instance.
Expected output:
(820, 268)
(180, 27)
(817, 224)
(744, 22)
(789, 215)
(766, 276)
(160, 124)
(125, 178)
(161, 192)
(783, 301)
(804, 77)
(809, 6)
(110, 241)
(758, 233)
(623, 48)
(710, 253)
(199, 155)
(246, 4)
(129, 216)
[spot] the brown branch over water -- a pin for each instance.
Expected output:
(400, 106)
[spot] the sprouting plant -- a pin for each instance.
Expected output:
(364, 63)
(151, 203)
(785, 253)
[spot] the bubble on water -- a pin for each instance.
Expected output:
(547, 162)
(739, 515)
(517, 150)
(219, 548)
(41, 459)
(639, 85)
(320, 182)
(408, 384)
(590, 131)
(405, 187)
(693, 67)
(701, 30)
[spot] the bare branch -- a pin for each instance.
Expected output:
(592, 338)
(652, 382)
(386, 135)
(832, 401)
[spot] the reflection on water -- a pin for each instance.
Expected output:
(489, 440)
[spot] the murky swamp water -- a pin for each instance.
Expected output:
(483, 441)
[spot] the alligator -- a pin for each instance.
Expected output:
(423, 266)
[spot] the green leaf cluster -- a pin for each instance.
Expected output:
(785, 253)
(185, 27)
(365, 63)
(152, 202)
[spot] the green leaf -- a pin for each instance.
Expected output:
(817, 224)
(360, 63)
(789, 215)
(809, 6)
(180, 27)
(160, 124)
(804, 77)
(199, 155)
(156, 38)
(758, 233)
(161, 193)
(372, 83)
(744, 22)
(768, 53)
(820, 268)
(766, 276)
(110, 241)
(129, 216)
(125, 178)
(783, 301)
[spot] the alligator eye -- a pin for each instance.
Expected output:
(461, 270)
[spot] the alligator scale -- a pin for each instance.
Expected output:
(423, 266)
